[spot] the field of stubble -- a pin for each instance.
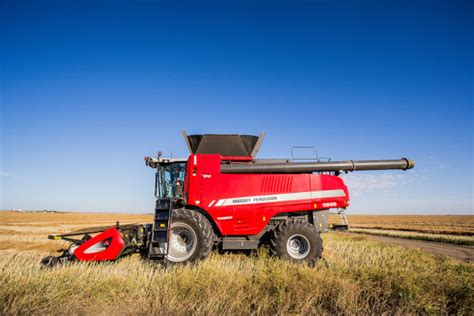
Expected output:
(357, 276)
(452, 229)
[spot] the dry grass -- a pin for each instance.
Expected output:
(52, 220)
(445, 238)
(357, 276)
(442, 224)
(455, 229)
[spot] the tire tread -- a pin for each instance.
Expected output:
(284, 230)
(205, 229)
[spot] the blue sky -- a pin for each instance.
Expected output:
(87, 88)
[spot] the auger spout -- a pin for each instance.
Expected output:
(308, 167)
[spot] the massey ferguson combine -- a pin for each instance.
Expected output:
(222, 197)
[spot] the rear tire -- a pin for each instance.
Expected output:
(191, 237)
(297, 240)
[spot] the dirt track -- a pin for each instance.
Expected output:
(465, 253)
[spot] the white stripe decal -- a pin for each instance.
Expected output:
(223, 218)
(327, 194)
(220, 202)
(210, 204)
(281, 197)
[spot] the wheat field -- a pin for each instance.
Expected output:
(451, 229)
(434, 224)
(356, 276)
(444, 238)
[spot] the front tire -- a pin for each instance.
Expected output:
(298, 241)
(191, 237)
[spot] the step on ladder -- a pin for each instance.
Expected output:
(158, 247)
(344, 223)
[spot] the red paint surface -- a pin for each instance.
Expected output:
(110, 253)
(204, 183)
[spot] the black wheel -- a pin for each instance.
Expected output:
(49, 261)
(191, 237)
(297, 240)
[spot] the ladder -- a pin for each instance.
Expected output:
(344, 222)
(158, 246)
(342, 216)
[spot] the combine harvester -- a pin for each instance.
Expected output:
(222, 197)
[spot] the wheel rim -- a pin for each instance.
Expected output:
(182, 243)
(298, 246)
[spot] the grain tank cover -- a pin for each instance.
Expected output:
(224, 144)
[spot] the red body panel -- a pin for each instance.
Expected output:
(242, 204)
(95, 249)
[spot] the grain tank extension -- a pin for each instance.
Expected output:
(223, 197)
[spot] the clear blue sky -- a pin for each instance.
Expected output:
(90, 87)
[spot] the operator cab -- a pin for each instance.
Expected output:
(169, 177)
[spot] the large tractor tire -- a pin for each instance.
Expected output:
(191, 237)
(297, 240)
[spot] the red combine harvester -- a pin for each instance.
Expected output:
(223, 197)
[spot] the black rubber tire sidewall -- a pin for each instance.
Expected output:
(292, 227)
(201, 227)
